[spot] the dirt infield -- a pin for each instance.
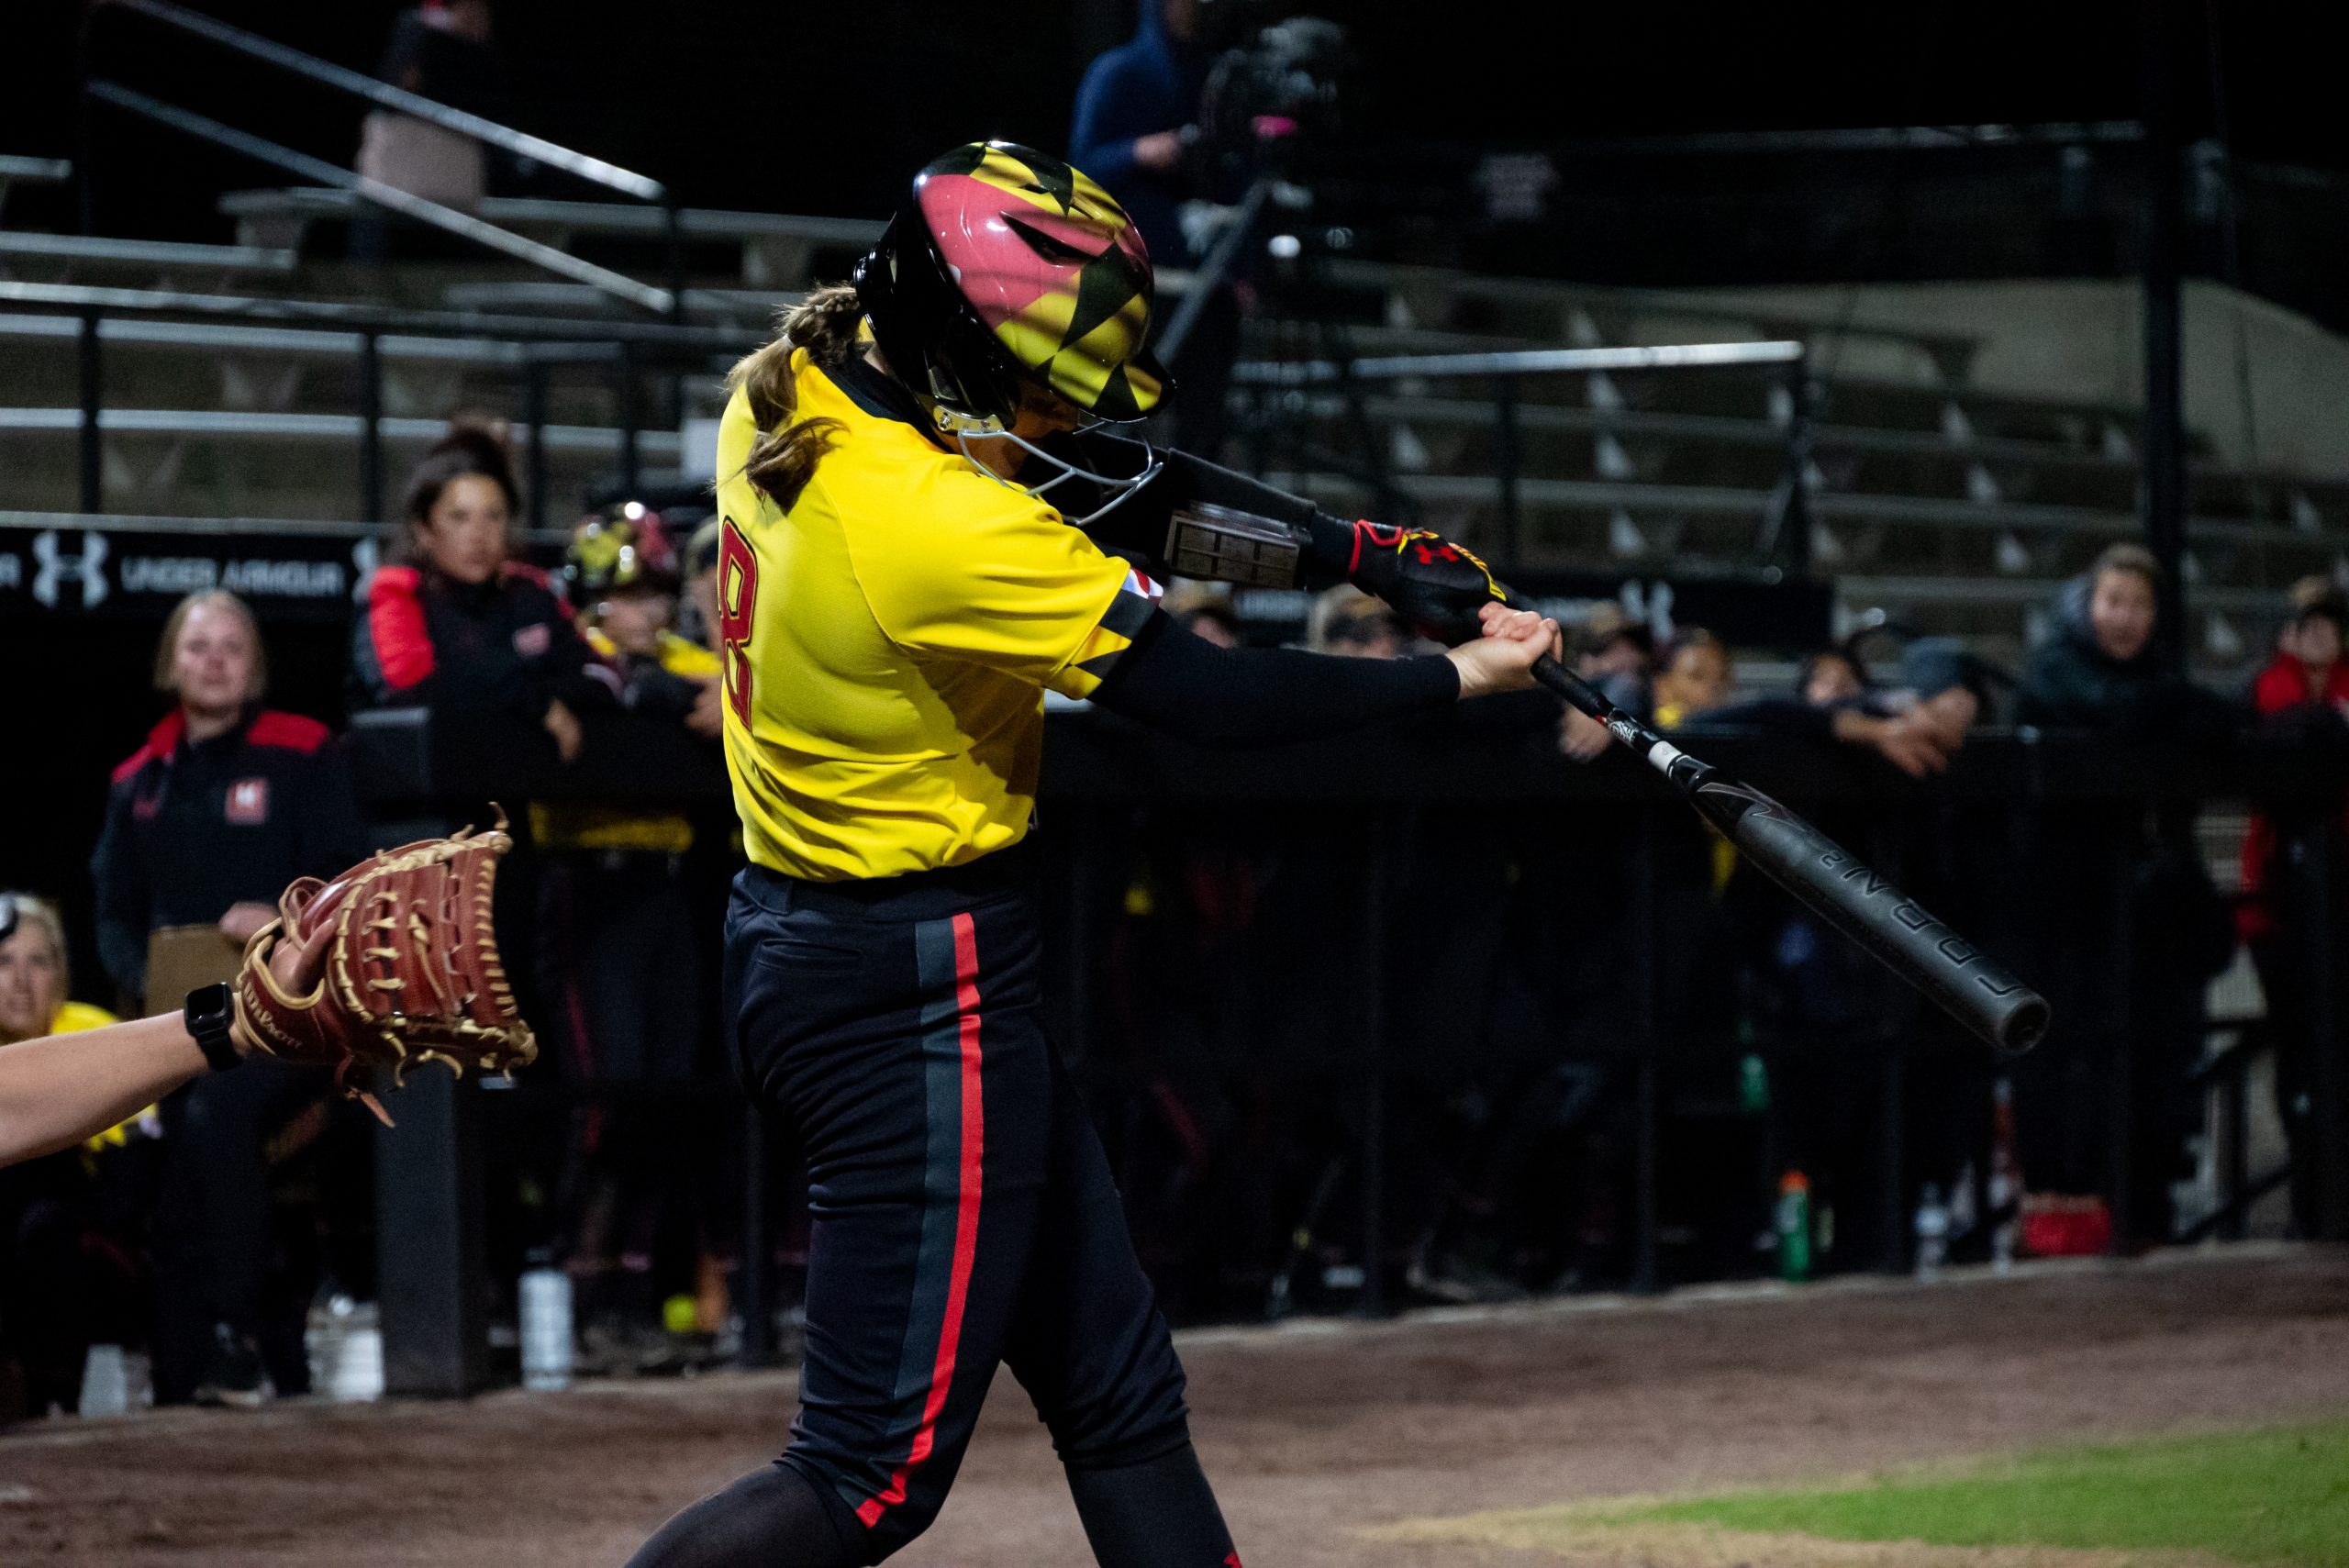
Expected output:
(1315, 1433)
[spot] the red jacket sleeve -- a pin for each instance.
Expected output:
(401, 647)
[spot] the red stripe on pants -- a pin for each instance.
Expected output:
(966, 1223)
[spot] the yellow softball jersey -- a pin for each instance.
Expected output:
(886, 640)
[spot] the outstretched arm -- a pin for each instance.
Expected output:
(1174, 680)
(61, 1088)
(58, 1089)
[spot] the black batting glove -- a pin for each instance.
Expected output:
(1433, 584)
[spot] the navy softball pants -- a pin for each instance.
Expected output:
(963, 1217)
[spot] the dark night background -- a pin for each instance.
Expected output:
(823, 109)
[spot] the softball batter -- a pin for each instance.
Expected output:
(896, 594)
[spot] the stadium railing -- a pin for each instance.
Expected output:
(1782, 541)
(1103, 776)
(776, 248)
(531, 348)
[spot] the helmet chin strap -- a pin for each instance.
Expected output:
(966, 427)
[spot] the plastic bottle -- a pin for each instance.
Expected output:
(1794, 1227)
(1963, 1214)
(545, 1300)
(2004, 1194)
(1932, 1233)
(1752, 1084)
(106, 1383)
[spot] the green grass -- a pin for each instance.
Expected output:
(2278, 1497)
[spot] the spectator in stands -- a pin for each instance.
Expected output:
(2302, 696)
(1833, 699)
(2103, 669)
(1948, 686)
(1134, 130)
(35, 984)
(1346, 621)
(1134, 109)
(1695, 678)
(617, 929)
(225, 804)
(1617, 654)
(1206, 610)
(45, 1282)
(2102, 666)
(440, 50)
(457, 625)
(1831, 677)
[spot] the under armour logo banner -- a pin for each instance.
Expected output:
(125, 570)
(55, 568)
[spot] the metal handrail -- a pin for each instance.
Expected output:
(659, 300)
(48, 170)
(1784, 538)
(90, 299)
(1523, 361)
(328, 75)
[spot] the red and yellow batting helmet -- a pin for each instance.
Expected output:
(1006, 271)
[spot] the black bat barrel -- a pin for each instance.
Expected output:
(1840, 889)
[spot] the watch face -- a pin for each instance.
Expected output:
(207, 1013)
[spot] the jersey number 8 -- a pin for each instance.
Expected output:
(738, 601)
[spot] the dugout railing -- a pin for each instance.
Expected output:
(1979, 844)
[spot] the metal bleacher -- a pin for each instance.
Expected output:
(1957, 508)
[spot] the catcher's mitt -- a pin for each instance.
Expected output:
(409, 973)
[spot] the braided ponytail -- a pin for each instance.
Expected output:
(784, 457)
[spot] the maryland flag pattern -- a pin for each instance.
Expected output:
(1053, 267)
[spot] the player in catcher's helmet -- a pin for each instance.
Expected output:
(619, 550)
(1011, 282)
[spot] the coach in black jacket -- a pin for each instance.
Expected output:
(225, 802)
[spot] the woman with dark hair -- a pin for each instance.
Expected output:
(456, 624)
(225, 802)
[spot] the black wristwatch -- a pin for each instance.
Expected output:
(209, 1012)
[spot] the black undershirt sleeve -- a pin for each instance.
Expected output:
(1174, 680)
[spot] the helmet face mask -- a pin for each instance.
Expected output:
(1010, 276)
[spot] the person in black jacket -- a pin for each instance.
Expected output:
(225, 804)
(457, 625)
(2103, 670)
